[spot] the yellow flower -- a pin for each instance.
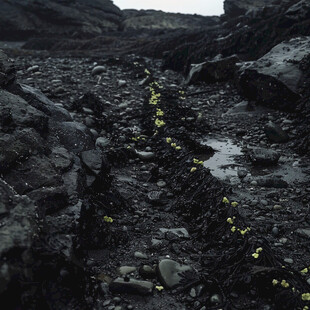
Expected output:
(108, 219)
(159, 288)
(159, 123)
(159, 112)
(147, 71)
(234, 204)
(243, 232)
(225, 200)
(285, 284)
(258, 250)
(173, 145)
(196, 161)
(275, 282)
(255, 255)
(193, 169)
(304, 271)
(305, 297)
(128, 147)
(233, 229)
(178, 148)
(305, 308)
(168, 140)
(230, 220)
(293, 289)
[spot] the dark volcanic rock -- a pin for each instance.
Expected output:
(24, 18)
(131, 286)
(276, 78)
(264, 157)
(275, 133)
(216, 70)
(19, 215)
(234, 8)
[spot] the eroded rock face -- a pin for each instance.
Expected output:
(276, 78)
(23, 18)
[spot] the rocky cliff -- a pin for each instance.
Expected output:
(20, 19)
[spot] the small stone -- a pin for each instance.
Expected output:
(277, 207)
(215, 299)
(161, 183)
(140, 255)
(179, 232)
(275, 231)
(98, 70)
(303, 232)
(102, 142)
(121, 83)
(147, 272)
(145, 155)
(125, 270)
(289, 261)
(254, 183)
(192, 293)
(131, 286)
(171, 273)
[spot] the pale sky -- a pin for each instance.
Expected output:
(202, 7)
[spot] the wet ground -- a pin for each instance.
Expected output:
(278, 213)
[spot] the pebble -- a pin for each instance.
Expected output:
(277, 207)
(161, 183)
(102, 142)
(289, 261)
(275, 231)
(121, 83)
(123, 270)
(98, 70)
(131, 286)
(215, 299)
(254, 183)
(140, 255)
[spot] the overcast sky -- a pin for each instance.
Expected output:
(202, 7)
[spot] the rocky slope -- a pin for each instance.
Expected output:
(125, 186)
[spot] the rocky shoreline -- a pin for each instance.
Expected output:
(126, 186)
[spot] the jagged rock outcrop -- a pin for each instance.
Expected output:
(276, 79)
(25, 18)
(234, 8)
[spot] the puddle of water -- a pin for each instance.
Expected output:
(223, 164)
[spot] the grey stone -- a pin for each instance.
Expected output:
(275, 134)
(131, 286)
(92, 159)
(271, 181)
(123, 270)
(145, 155)
(102, 142)
(140, 255)
(171, 273)
(304, 232)
(263, 157)
(179, 232)
(98, 70)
